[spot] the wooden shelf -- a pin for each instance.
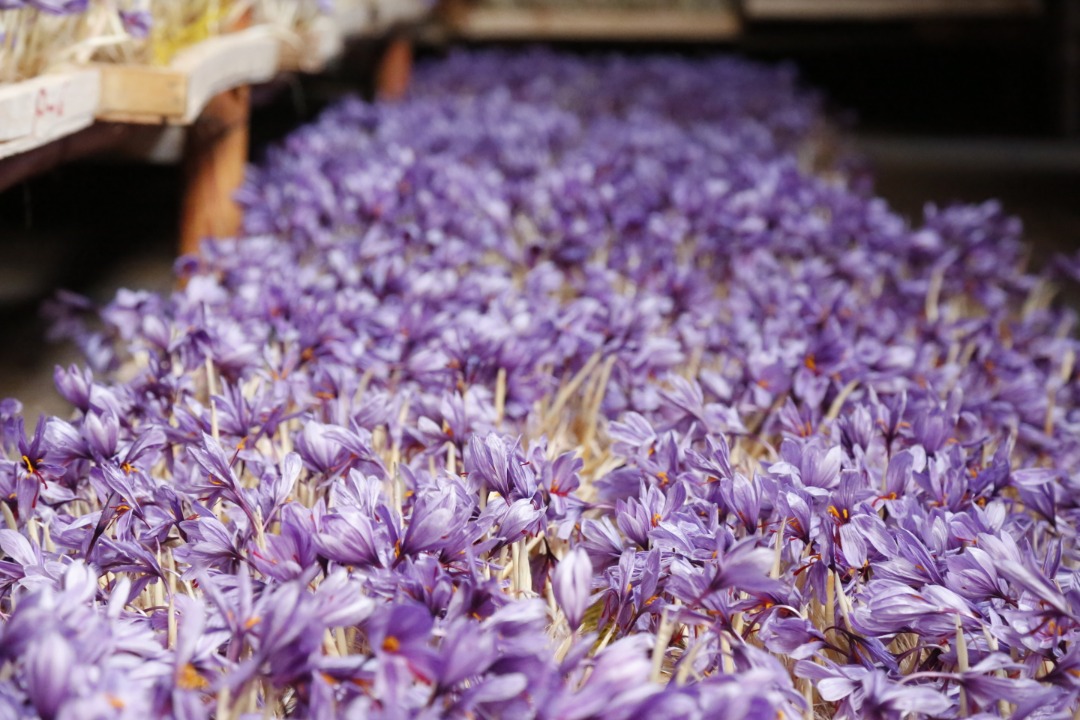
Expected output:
(878, 10)
(178, 93)
(36, 112)
(389, 14)
(196, 109)
(495, 23)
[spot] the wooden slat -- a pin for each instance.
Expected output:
(17, 110)
(136, 93)
(38, 111)
(392, 13)
(796, 10)
(492, 23)
(178, 93)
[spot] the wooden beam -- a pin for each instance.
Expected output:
(881, 10)
(39, 111)
(178, 93)
(472, 22)
(389, 14)
(216, 155)
(395, 68)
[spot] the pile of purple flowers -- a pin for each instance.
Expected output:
(562, 389)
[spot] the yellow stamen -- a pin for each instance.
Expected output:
(188, 678)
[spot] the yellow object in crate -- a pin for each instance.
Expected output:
(173, 31)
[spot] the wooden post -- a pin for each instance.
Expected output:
(395, 70)
(216, 154)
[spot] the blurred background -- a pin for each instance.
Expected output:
(946, 100)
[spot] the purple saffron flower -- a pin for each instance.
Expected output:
(49, 663)
(137, 23)
(572, 584)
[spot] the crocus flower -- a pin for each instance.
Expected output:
(555, 334)
(572, 584)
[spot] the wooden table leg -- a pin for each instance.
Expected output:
(395, 70)
(216, 154)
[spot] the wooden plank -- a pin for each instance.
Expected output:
(493, 23)
(142, 94)
(178, 93)
(38, 111)
(17, 109)
(391, 13)
(810, 10)
(243, 58)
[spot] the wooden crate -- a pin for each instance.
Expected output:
(390, 13)
(36, 112)
(479, 22)
(177, 94)
(870, 10)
